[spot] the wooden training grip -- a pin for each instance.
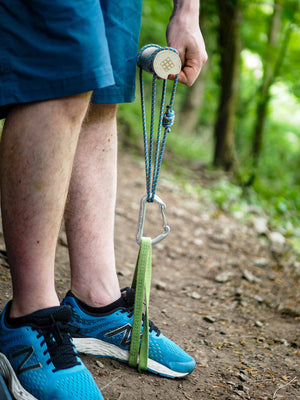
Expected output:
(162, 61)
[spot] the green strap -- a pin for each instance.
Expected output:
(138, 353)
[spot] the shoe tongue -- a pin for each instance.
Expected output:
(56, 336)
(43, 317)
(60, 313)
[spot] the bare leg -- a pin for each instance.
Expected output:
(37, 151)
(91, 207)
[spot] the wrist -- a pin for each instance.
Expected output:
(189, 7)
(186, 10)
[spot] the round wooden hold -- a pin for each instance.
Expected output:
(166, 63)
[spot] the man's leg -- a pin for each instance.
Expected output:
(103, 317)
(91, 207)
(37, 151)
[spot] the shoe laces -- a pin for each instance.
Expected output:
(128, 295)
(55, 331)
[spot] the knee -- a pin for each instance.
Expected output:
(74, 108)
(101, 112)
(65, 111)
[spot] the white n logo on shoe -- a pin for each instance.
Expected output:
(27, 352)
(126, 329)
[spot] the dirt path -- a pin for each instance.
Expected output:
(218, 290)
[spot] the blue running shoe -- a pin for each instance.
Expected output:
(4, 393)
(108, 335)
(39, 361)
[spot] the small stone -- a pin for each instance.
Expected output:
(242, 377)
(198, 242)
(160, 285)
(258, 299)
(249, 276)
(260, 225)
(277, 238)
(233, 384)
(260, 357)
(224, 277)
(99, 364)
(246, 389)
(296, 266)
(261, 262)
(282, 341)
(258, 324)
(209, 319)
(195, 296)
(277, 242)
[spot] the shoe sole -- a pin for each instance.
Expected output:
(4, 393)
(99, 348)
(14, 385)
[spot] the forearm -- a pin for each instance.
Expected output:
(183, 33)
(186, 7)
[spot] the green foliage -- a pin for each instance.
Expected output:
(190, 148)
(154, 22)
(276, 187)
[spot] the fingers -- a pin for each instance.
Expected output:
(191, 47)
(191, 70)
(192, 63)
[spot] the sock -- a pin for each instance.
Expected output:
(33, 318)
(97, 311)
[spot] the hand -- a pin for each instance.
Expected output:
(183, 34)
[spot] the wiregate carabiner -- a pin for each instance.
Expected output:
(141, 220)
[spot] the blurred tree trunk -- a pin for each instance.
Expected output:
(189, 113)
(229, 43)
(272, 61)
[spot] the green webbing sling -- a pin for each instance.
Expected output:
(138, 354)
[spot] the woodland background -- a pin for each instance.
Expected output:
(240, 122)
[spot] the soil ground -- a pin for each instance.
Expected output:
(219, 290)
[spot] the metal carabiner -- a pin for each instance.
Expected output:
(141, 220)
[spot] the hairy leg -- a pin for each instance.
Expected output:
(37, 151)
(90, 209)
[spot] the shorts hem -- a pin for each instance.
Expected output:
(114, 95)
(45, 89)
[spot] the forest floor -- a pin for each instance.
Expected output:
(220, 289)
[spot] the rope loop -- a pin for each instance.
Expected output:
(166, 119)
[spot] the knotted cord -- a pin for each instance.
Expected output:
(166, 120)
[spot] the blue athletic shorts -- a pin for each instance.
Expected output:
(57, 48)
